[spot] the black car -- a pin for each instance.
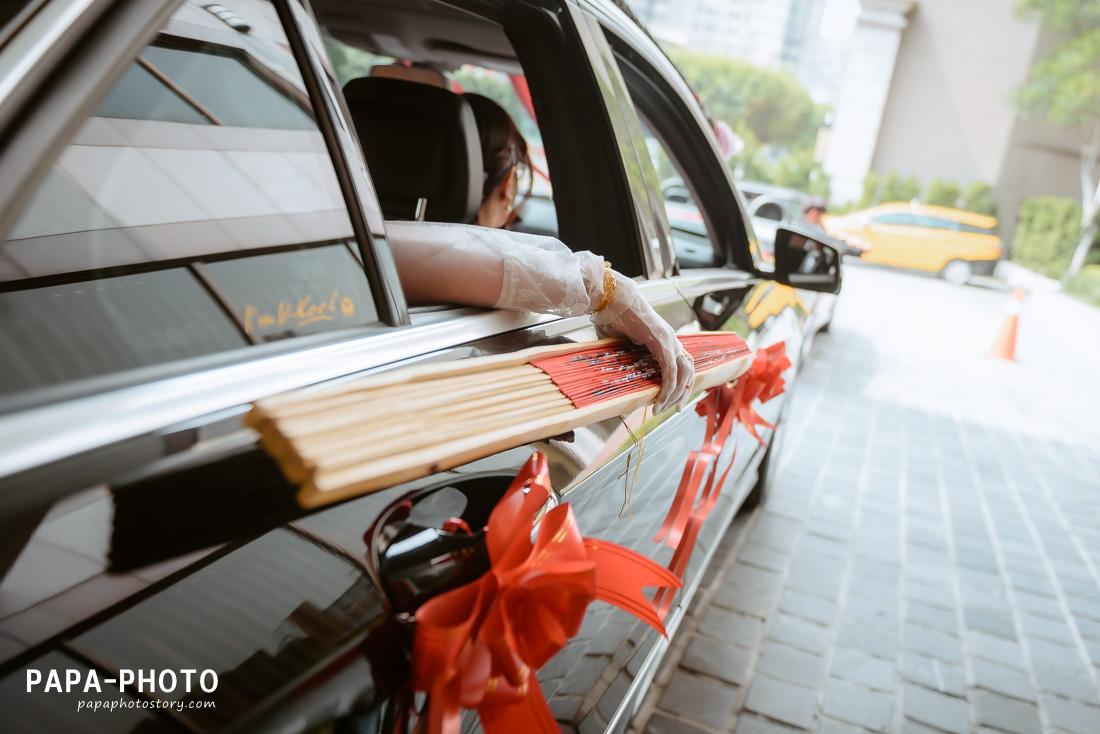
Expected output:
(193, 220)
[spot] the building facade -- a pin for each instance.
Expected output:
(928, 93)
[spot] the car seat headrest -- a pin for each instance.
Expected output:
(420, 141)
(417, 74)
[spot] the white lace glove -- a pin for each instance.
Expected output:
(630, 315)
(458, 263)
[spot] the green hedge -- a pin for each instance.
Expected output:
(1086, 285)
(1046, 233)
(980, 198)
(942, 193)
(895, 188)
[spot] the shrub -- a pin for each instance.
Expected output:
(870, 191)
(942, 193)
(895, 189)
(1086, 285)
(1046, 233)
(980, 198)
(797, 170)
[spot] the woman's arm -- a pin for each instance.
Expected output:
(451, 263)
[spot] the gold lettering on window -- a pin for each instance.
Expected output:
(298, 313)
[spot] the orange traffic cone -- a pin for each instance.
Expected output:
(1005, 346)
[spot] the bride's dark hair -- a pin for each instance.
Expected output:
(502, 145)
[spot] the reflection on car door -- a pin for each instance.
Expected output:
(191, 248)
(715, 295)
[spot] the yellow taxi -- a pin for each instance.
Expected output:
(951, 242)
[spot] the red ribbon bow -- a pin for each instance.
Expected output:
(762, 382)
(721, 406)
(479, 646)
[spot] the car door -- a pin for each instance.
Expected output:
(220, 231)
(943, 242)
(191, 238)
(896, 239)
(200, 232)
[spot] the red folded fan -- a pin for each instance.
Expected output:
(594, 374)
(362, 435)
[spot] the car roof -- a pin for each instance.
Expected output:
(931, 210)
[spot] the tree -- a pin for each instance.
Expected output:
(797, 170)
(772, 104)
(351, 63)
(1064, 88)
(980, 198)
(942, 193)
(1047, 229)
(769, 110)
(869, 197)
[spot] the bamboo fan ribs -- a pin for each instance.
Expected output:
(367, 434)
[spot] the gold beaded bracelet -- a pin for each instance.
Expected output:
(608, 287)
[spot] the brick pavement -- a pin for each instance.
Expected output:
(928, 558)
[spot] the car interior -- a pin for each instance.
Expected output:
(418, 135)
(428, 43)
(421, 144)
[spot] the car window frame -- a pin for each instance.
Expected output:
(641, 177)
(692, 145)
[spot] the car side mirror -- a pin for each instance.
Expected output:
(802, 261)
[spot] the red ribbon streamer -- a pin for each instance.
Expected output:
(721, 406)
(479, 646)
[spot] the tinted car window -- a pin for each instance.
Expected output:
(693, 243)
(904, 220)
(770, 211)
(960, 227)
(233, 90)
(932, 222)
(196, 211)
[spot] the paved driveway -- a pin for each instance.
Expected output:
(928, 558)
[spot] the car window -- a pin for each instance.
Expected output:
(692, 241)
(904, 220)
(770, 211)
(677, 195)
(927, 222)
(537, 213)
(717, 231)
(196, 211)
(972, 229)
